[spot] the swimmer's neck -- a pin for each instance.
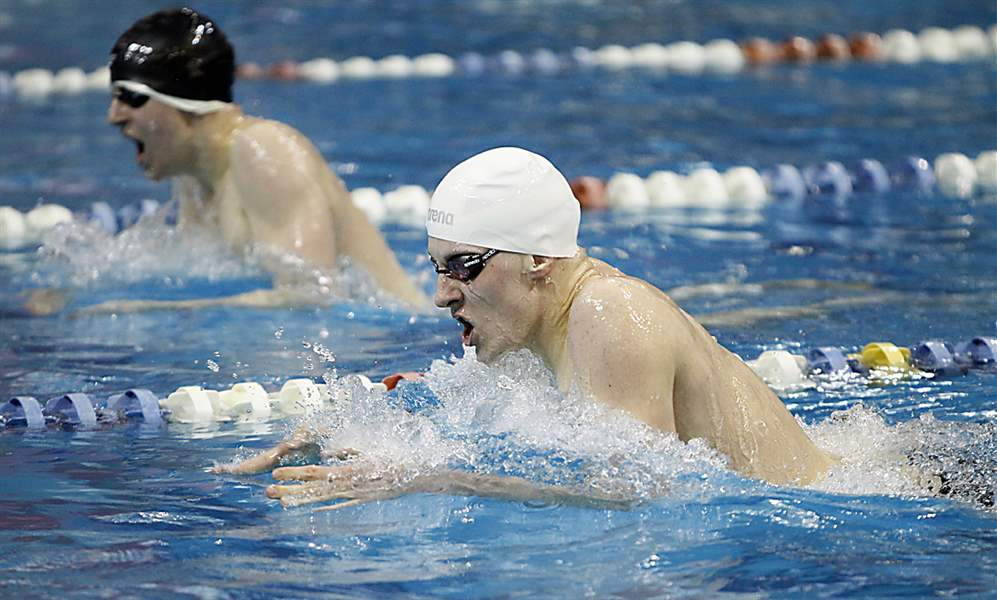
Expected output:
(558, 292)
(211, 142)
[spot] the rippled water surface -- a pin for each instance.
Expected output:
(132, 512)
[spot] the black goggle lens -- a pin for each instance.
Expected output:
(464, 267)
(132, 99)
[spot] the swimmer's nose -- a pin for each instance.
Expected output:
(447, 292)
(117, 113)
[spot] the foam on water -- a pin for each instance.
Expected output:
(910, 458)
(510, 419)
(84, 255)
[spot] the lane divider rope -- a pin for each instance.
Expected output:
(249, 401)
(721, 56)
(737, 188)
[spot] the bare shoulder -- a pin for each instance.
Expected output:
(264, 136)
(613, 294)
(614, 304)
(601, 296)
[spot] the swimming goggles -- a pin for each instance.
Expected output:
(464, 267)
(132, 99)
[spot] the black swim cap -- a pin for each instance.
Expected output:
(177, 52)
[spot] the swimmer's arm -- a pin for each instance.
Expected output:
(620, 361)
(283, 297)
(357, 483)
(304, 439)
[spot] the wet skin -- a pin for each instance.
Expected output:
(608, 338)
(619, 341)
(262, 186)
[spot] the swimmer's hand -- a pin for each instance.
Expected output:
(302, 440)
(354, 484)
(42, 303)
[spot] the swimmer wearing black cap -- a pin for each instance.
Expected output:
(259, 184)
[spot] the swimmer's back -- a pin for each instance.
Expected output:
(715, 395)
(290, 154)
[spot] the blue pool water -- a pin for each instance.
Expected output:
(130, 512)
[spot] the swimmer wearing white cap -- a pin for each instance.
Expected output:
(614, 338)
(258, 184)
(502, 229)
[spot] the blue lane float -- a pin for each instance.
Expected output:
(869, 175)
(22, 411)
(72, 410)
(785, 181)
(914, 172)
(827, 360)
(936, 356)
(978, 353)
(102, 215)
(829, 178)
(130, 214)
(112, 221)
(138, 404)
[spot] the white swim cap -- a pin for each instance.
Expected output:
(508, 199)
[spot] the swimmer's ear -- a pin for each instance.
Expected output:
(541, 268)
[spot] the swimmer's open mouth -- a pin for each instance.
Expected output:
(465, 336)
(139, 145)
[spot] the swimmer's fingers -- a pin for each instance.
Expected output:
(255, 464)
(308, 473)
(306, 493)
(320, 491)
(323, 473)
(324, 491)
(340, 505)
(266, 459)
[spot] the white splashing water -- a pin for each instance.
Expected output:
(908, 459)
(82, 255)
(510, 419)
(85, 255)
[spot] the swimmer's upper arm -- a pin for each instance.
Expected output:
(620, 351)
(276, 172)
